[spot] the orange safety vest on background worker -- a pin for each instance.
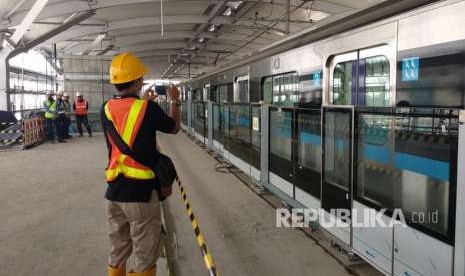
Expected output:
(81, 107)
(126, 115)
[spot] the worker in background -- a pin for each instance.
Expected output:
(61, 117)
(133, 206)
(67, 110)
(81, 108)
(49, 108)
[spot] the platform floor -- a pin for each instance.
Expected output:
(53, 220)
(238, 225)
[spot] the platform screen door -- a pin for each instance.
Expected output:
(337, 163)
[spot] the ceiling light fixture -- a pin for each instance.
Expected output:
(228, 11)
(234, 4)
(212, 28)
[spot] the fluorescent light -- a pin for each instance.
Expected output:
(280, 33)
(228, 11)
(234, 4)
(212, 28)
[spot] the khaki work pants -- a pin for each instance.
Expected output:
(135, 228)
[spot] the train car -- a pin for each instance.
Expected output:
(363, 120)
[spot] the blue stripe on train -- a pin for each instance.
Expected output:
(433, 168)
(426, 166)
(421, 165)
(243, 120)
(310, 138)
(375, 153)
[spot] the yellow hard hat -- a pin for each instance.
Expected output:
(126, 67)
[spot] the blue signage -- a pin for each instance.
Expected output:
(410, 69)
(317, 78)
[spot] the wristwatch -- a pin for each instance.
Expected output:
(175, 102)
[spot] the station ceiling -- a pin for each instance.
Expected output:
(177, 38)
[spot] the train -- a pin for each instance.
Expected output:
(365, 118)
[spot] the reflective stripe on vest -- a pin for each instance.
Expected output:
(51, 107)
(120, 164)
(81, 108)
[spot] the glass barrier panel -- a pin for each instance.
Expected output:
(184, 112)
(218, 123)
(308, 155)
(407, 158)
(226, 139)
(256, 111)
(337, 147)
(199, 118)
(280, 156)
(239, 131)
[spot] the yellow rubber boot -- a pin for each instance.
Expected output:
(119, 271)
(151, 272)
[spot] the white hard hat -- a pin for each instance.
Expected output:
(48, 93)
(65, 95)
(78, 94)
(60, 93)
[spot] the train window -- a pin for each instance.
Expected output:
(267, 90)
(362, 78)
(342, 83)
(311, 89)
(432, 76)
(376, 81)
(281, 89)
(197, 95)
(212, 94)
(222, 93)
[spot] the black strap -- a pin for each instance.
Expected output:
(124, 148)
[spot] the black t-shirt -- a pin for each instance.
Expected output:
(130, 190)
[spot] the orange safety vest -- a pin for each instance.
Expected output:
(81, 107)
(127, 115)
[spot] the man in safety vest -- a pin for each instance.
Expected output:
(50, 113)
(81, 108)
(132, 195)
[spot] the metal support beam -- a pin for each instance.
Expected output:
(27, 20)
(31, 44)
(5, 55)
(211, 16)
(95, 43)
(330, 28)
(107, 49)
(59, 9)
(2, 38)
(4, 74)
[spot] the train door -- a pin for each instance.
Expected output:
(337, 169)
(359, 78)
(362, 78)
